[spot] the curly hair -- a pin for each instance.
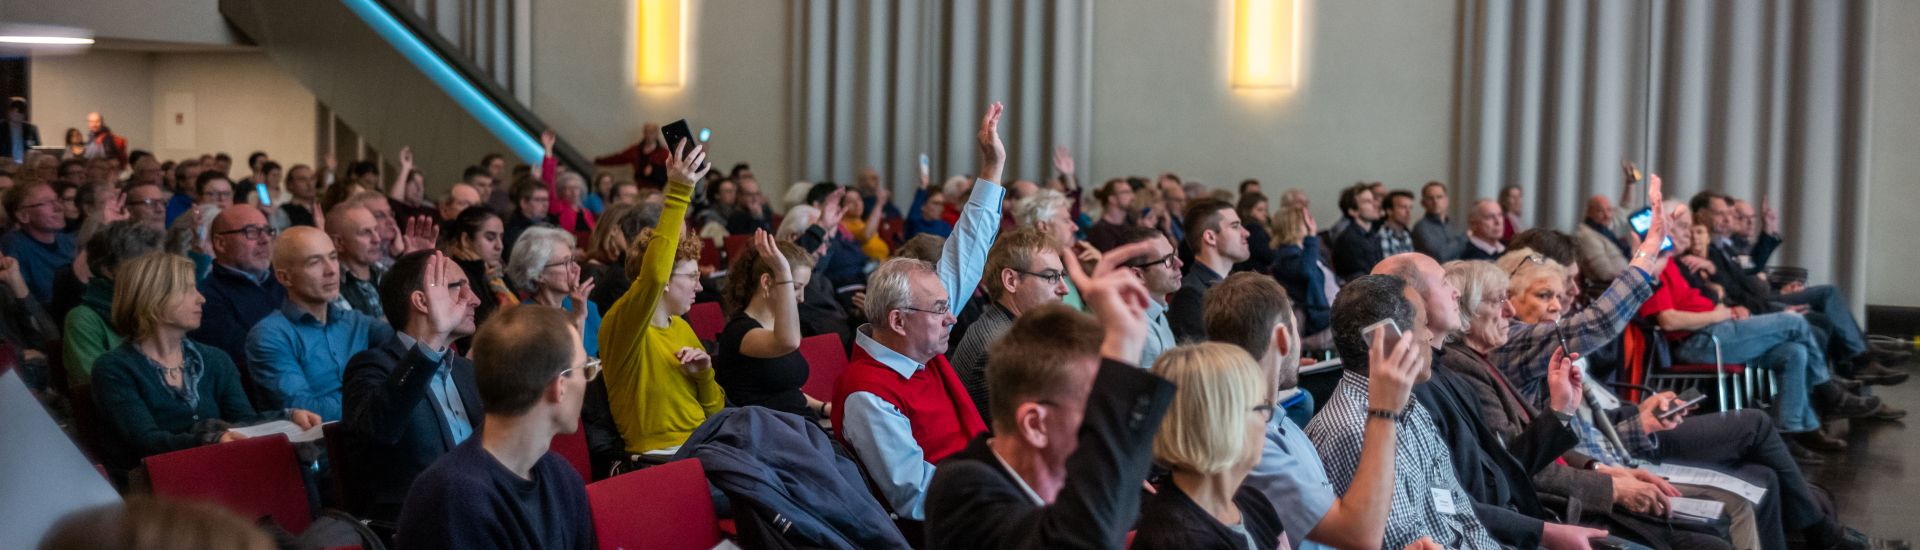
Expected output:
(688, 250)
(743, 277)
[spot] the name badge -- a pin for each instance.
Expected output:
(1443, 501)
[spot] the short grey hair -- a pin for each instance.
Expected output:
(1476, 279)
(798, 219)
(571, 179)
(532, 252)
(1042, 206)
(891, 287)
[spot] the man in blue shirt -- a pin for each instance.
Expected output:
(39, 244)
(296, 355)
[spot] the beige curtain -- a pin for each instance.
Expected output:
(879, 82)
(1753, 98)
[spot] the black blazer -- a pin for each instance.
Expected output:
(394, 428)
(975, 503)
(1741, 287)
(29, 134)
(1172, 521)
(1500, 478)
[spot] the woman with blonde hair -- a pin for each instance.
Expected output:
(1300, 267)
(160, 391)
(1210, 438)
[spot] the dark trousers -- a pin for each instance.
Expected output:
(1745, 444)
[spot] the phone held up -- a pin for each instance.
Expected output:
(1392, 330)
(676, 132)
(1642, 220)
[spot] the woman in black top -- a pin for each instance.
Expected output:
(1210, 439)
(1253, 212)
(759, 361)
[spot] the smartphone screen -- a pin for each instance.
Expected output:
(1642, 220)
(674, 133)
(260, 190)
(1392, 337)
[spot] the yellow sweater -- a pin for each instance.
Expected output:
(654, 403)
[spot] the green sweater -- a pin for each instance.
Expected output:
(145, 416)
(88, 334)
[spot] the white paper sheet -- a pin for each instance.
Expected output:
(1696, 508)
(1701, 476)
(293, 432)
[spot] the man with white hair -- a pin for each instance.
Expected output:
(1484, 224)
(899, 405)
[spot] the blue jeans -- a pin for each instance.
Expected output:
(1825, 299)
(1779, 342)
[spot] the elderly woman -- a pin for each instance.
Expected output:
(542, 266)
(1210, 438)
(757, 360)
(566, 194)
(1297, 264)
(659, 378)
(159, 391)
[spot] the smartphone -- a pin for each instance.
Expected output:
(260, 190)
(1642, 220)
(1393, 333)
(705, 134)
(1680, 405)
(674, 133)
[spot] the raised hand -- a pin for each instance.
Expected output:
(1563, 381)
(770, 255)
(1769, 218)
(693, 360)
(1647, 254)
(832, 210)
(420, 235)
(115, 209)
(1063, 160)
(1086, 252)
(546, 141)
(1117, 298)
(10, 273)
(1630, 170)
(1391, 372)
(1313, 228)
(687, 166)
(434, 296)
(406, 160)
(993, 154)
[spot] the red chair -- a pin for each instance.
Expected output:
(664, 507)
(710, 257)
(707, 320)
(734, 244)
(254, 477)
(825, 361)
(573, 447)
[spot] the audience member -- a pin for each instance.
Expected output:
(147, 204)
(20, 135)
(1484, 226)
(1427, 499)
(356, 238)
(1255, 217)
(213, 188)
(102, 143)
(926, 213)
(648, 158)
(864, 224)
(1396, 236)
(413, 399)
(899, 406)
(161, 391)
(473, 240)
(505, 488)
(297, 355)
(1023, 272)
(530, 205)
(1603, 253)
(757, 358)
(1211, 441)
(1357, 247)
(87, 332)
(147, 523)
(544, 270)
(566, 192)
(1073, 428)
(607, 251)
(1160, 272)
(1432, 235)
(1218, 240)
(1116, 205)
(241, 289)
(659, 379)
(1511, 202)
(39, 243)
(1298, 266)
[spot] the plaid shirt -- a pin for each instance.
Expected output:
(1633, 437)
(1529, 347)
(1394, 240)
(1422, 466)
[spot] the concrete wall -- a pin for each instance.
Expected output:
(1891, 255)
(735, 83)
(1374, 100)
(231, 102)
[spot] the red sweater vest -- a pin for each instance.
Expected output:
(935, 404)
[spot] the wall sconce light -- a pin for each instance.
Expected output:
(659, 45)
(1265, 55)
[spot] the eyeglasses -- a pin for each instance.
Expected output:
(1265, 411)
(1050, 277)
(693, 274)
(1532, 259)
(1167, 259)
(568, 261)
(217, 195)
(591, 369)
(27, 207)
(251, 232)
(939, 308)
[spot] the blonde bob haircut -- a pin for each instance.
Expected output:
(1205, 430)
(144, 288)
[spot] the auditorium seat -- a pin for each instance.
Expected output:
(573, 447)
(665, 507)
(707, 320)
(825, 361)
(255, 477)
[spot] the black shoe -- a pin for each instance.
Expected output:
(1848, 385)
(1802, 455)
(1886, 412)
(1875, 374)
(1816, 441)
(1854, 406)
(1888, 357)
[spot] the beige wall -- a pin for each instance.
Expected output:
(735, 79)
(1374, 100)
(1891, 225)
(241, 102)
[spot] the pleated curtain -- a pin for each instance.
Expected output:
(1753, 98)
(878, 82)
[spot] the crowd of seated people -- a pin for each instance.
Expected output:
(1026, 368)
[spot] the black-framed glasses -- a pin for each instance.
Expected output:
(1265, 411)
(1050, 277)
(939, 308)
(251, 232)
(1531, 259)
(590, 369)
(566, 262)
(1167, 259)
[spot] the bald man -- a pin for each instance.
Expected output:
(240, 289)
(296, 355)
(458, 199)
(1603, 253)
(356, 235)
(1484, 226)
